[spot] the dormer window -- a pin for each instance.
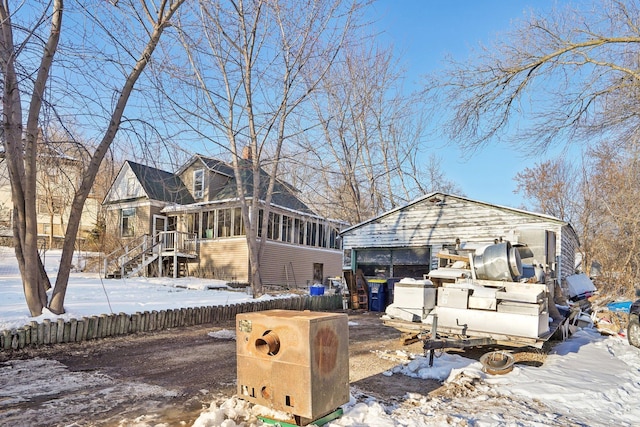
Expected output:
(198, 183)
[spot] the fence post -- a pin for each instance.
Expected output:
(34, 332)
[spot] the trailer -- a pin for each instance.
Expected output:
(478, 299)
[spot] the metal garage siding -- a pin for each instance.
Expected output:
(568, 246)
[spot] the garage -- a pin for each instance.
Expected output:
(404, 241)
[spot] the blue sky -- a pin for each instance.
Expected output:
(423, 32)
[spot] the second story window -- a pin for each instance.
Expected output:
(131, 186)
(198, 183)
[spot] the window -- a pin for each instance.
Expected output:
(334, 239)
(50, 206)
(193, 223)
(312, 229)
(259, 225)
(131, 186)
(224, 223)
(127, 219)
(346, 259)
(198, 183)
(301, 228)
(52, 174)
(322, 236)
(208, 224)
(393, 262)
(172, 223)
(273, 231)
(238, 223)
(287, 226)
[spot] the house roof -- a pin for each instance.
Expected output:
(213, 164)
(168, 187)
(283, 194)
(217, 166)
(161, 185)
(438, 196)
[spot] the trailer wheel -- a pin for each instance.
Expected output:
(497, 362)
(633, 331)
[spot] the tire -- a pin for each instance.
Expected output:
(633, 331)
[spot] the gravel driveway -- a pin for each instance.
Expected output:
(169, 376)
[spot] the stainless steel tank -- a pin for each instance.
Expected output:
(500, 261)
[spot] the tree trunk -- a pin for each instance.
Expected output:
(57, 300)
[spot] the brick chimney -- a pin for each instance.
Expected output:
(246, 153)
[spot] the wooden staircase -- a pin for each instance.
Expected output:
(166, 249)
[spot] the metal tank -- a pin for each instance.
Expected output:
(500, 261)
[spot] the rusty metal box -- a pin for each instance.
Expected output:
(293, 361)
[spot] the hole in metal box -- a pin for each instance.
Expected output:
(265, 392)
(269, 343)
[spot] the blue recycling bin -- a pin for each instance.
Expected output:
(316, 290)
(391, 284)
(377, 295)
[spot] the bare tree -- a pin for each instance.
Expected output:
(365, 156)
(614, 238)
(570, 75)
(552, 186)
(250, 65)
(24, 76)
(600, 200)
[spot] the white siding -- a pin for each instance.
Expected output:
(567, 251)
(125, 188)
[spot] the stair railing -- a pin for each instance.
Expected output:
(147, 245)
(112, 261)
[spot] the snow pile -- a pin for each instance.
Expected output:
(223, 334)
(419, 367)
(235, 412)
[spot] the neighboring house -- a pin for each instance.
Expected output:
(58, 177)
(403, 242)
(199, 208)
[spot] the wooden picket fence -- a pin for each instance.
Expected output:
(109, 325)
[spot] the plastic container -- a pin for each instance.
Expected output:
(316, 290)
(622, 306)
(377, 295)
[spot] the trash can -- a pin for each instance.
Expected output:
(391, 283)
(377, 295)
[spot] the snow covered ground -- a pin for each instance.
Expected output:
(89, 294)
(588, 380)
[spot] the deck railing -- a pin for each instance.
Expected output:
(178, 241)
